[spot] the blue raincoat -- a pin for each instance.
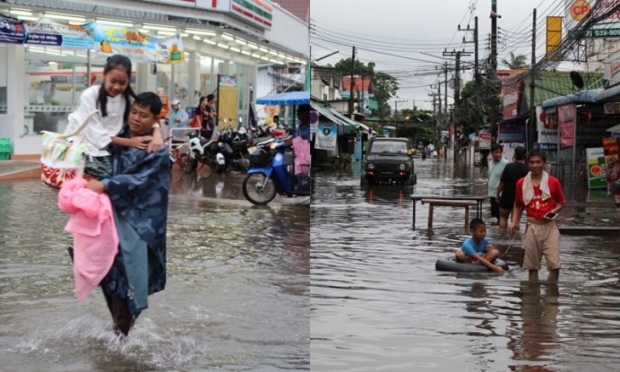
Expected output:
(139, 191)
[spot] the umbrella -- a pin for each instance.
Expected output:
(285, 99)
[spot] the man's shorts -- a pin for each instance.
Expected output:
(541, 240)
(494, 207)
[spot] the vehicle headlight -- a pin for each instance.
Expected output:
(403, 167)
(371, 166)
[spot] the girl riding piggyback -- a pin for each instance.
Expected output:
(112, 101)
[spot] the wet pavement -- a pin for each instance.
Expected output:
(237, 296)
(246, 293)
(377, 302)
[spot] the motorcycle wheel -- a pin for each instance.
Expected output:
(259, 189)
(188, 165)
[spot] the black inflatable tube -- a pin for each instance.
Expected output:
(450, 264)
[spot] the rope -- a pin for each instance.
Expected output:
(514, 235)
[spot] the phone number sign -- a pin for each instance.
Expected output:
(602, 33)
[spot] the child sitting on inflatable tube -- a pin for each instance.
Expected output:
(476, 249)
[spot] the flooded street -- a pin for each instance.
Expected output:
(237, 296)
(377, 303)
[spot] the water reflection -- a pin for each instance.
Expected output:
(538, 334)
(378, 304)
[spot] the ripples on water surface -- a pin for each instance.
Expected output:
(377, 304)
(237, 296)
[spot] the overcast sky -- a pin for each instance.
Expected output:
(406, 38)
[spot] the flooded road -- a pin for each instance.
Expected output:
(237, 296)
(377, 303)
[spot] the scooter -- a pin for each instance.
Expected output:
(205, 151)
(272, 172)
(235, 148)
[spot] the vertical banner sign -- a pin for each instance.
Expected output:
(484, 141)
(547, 128)
(566, 123)
(227, 102)
(326, 137)
(554, 38)
(596, 164)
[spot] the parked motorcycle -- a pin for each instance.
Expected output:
(201, 150)
(235, 148)
(272, 172)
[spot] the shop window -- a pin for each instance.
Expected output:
(2, 100)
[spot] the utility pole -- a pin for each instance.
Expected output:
(352, 84)
(457, 91)
(445, 87)
(457, 71)
(531, 133)
(396, 107)
(475, 42)
(493, 114)
(476, 76)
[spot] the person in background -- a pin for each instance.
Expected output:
(539, 193)
(161, 92)
(138, 190)
(205, 117)
(303, 126)
(476, 249)
(496, 167)
(112, 99)
(177, 118)
(507, 184)
(612, 175)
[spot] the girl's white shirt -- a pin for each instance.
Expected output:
(98, 134)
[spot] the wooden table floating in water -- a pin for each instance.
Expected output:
(461, 201)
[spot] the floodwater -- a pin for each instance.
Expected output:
(237, 297)
(377, 303)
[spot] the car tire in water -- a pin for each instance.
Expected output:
(258, 189)
(188, 165)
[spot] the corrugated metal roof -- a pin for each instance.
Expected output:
(553, 84)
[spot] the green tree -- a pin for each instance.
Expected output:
(384, 85)
(473, 110)
(515, 62)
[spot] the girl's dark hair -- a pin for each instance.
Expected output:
(117, 61)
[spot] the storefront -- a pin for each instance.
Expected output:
(40, 84)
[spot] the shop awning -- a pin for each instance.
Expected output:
(326, 112)
(285, 99)
(609, 93)
(584, 96)
(615, 128)
(357, 124)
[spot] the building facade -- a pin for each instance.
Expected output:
(40, 84)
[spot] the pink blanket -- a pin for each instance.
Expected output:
(95, 239)
(301, 147)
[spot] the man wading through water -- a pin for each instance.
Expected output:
(138, 190)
